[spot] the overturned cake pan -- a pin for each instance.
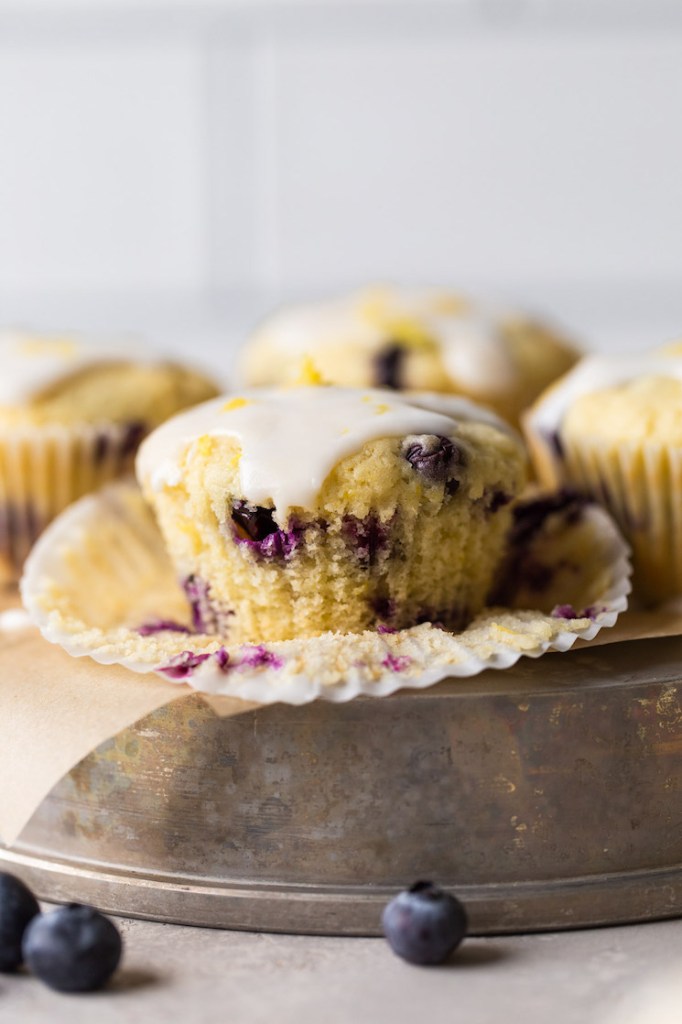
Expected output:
(546, 796)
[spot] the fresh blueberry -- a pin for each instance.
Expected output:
(18, 906)
(73, 949)
(556, 443)
(253, 522)
(388, 366)
(134, 432)
(497, 500)
(432, 456)
(255, 527)
(424, 924)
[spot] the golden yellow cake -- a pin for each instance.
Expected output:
(72, 413)
(291, 512)
(412, 339)
(612, 428)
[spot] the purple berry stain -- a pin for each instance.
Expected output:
(367, 537)
(258, 656)
(208, 616)
(567, 611)
(222, 658)
(161, 626)
(183, 665)
(396, 662)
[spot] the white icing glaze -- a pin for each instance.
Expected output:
(596, 373)
(472, 343)
(291, 439)
(30, 362)
(459, 408)
(475, 353)
(299, 330)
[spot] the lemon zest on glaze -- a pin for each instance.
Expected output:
(34, 348)
(204, 445)
(309, 375)
(235, 403)
(409, 332)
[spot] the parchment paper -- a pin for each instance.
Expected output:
(56, 709)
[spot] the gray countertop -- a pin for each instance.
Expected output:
(203, 976)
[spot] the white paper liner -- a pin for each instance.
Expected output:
(44, 468)
(638, 482)
(101, 571)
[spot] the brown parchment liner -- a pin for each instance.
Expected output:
(61, 708)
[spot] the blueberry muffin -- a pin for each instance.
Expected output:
(72, 414)
(412, 339)
(613, 429)
(293, 512)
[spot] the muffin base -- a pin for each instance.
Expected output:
(44, 469)
(99, 583)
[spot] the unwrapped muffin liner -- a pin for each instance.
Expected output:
(43, 469)
(99, 583)
(641, 486)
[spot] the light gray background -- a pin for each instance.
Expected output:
(178, 167)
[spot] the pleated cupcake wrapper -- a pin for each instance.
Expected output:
(99, 583)
(641, 485)
(43, 469)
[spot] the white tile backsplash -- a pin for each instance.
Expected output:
(485, 158)
(204, 150)
(102, 167)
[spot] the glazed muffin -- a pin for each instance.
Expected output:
(412, 339)
(290, 513)
(72, 414)
(613, 429)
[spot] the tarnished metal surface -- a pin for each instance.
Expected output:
(547, 796)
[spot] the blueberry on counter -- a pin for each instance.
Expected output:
(18, 906)
(73, 949)
(424, 924)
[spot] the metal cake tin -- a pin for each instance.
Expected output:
(546, 796)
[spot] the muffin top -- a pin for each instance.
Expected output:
(632, 398)
(291, 439)
(62, 378)
(33, 364)
(481, 350)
